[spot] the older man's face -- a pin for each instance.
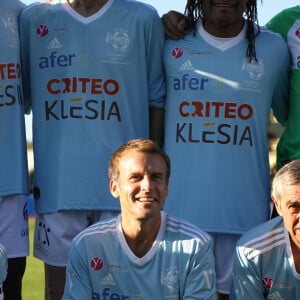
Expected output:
(289, 209)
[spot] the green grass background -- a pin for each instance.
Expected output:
(33, 280)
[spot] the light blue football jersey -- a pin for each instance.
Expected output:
(180, 264)
(13, 161)
(264, 266)
(91, 82)
(217, 113)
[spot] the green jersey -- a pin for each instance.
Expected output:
(287, 23)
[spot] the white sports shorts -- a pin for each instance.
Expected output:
(14, 235)
(54, 233)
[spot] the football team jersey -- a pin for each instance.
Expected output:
(91, 81)
(264, 266)
(217, 114)
(13, 161)
(180, 264)
(287, 23)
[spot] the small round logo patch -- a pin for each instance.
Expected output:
(177, 52)
(42, 30)
(96, 263)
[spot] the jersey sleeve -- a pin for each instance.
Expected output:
(246, 282)
(77, 285)
(201, 280)
(280, 100)
(279, 24)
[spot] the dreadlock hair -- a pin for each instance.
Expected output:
(194, 11)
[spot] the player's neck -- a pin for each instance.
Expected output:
(87, 8)
(229, 31)
(140, 237)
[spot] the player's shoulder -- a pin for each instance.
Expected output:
(186, 229)
(268, 35)
(99, 228)
(137, 7)
(9, 6)
(263, 238)
(269, 40)
(290, 12)
(40, 9)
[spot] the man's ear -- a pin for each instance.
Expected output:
(277, 205)
(114, 188)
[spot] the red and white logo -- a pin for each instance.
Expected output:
(177, 52)
(42, 30)
(268, 282)
(96, 263)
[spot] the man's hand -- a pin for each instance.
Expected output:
(175, 25)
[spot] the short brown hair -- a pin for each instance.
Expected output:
(140, 145)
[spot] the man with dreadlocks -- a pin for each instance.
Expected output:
(223, 78)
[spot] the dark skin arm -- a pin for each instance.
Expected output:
(156, 129)
(175, 25)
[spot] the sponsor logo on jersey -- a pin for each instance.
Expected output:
(108, 280)
(56, 60)
(54, 44)
(177, 52)
(186, 66)
(96, 264)
(217, 117)
(76, 106)
(107, 294)
(186, 82)
(42, 30)
(10, 89)
(268, 282)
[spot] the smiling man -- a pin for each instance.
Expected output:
(267, 260)
(143, 253)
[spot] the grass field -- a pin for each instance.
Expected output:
(33, 280)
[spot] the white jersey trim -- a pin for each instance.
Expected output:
(90, 19)
(149, 255)
(221, 43)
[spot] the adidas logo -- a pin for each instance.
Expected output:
(187, 66)
(54, 44)
(108, 280)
